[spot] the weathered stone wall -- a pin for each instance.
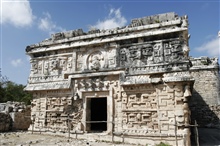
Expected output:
(142, 71)
(15, 116)
(205, 103)
(154, 110)
(21, 119)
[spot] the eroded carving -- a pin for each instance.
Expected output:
(96, 61)
(154, 53)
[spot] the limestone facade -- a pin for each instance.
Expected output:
(133, 81)
(205, 104)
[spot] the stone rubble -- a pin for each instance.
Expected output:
(5, 122)
(14, 116)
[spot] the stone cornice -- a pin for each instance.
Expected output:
(108, 36)
(65, 84)
(94, 74)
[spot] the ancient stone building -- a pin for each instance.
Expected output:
(129, 84)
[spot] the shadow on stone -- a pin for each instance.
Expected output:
(207, 120)
(5, 122)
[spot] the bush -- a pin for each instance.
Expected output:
(10, 91)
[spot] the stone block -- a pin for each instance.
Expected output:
(5, 122)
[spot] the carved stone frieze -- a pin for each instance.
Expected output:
(51, 66)
(96, 84)
(54, 112)
(135, 101)
(139, 79)
(139, 111)
(49, 86)
(153, 53)
(177, 76)
(162, 105)
(45, 78)
(80, 59)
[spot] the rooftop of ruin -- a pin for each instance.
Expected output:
(166, 23)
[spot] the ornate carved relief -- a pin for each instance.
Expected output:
(95, 61)
(111, 53)
(135, 55)
(34, 67)
(97, 84)
(38, 111)
(177, 76)
(63, 63)
(139, 110)
(62, 109)
(46, 68)
(167, 51)
(69, 64)
(54, 112)
(158, 53)
(54, 64)
(80, 59)
(176, 50)
(140, 122)
(162, 105)
(153, 53)
(147, 53)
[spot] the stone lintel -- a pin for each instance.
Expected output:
(92, 74)
(208, 67)
(48, 86)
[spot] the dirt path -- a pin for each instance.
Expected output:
(37, 139)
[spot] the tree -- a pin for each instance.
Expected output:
(10, 91)
(3, 81)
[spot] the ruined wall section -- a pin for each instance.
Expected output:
(15, 116)
(205, 104)
(52, 92)
(50, 109)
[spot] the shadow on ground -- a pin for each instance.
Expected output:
(207, 137)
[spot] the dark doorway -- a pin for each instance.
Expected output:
(98, 113)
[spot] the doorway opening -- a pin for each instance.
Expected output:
(98, 114)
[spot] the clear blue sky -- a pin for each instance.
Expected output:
(26, 22)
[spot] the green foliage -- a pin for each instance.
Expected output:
(157, 21)
(163, 144)
(10, 91)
